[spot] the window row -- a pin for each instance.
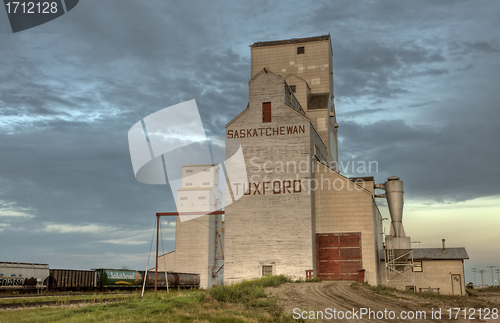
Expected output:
(199, 198)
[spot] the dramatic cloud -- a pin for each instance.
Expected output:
(415, 90)
(436, 164)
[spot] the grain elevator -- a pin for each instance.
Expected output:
(294, 213)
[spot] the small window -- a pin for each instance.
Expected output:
(189, 170)
(206, 183)
(189, 184)
(267, 270)
(184, 198)
(266, 112)
(301, 50)
(293, 88)
(417, 266)
(202, 197)
(206, 169)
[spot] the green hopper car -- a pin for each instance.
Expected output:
(112, 278)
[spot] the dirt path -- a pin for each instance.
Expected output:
(346, 299)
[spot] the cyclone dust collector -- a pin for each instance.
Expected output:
(398, 253)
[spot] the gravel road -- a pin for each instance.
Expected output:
(350, 298)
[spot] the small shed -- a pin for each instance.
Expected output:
(440, 270)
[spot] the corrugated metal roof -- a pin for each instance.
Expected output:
(290, 41)
(437, 253)
(22, 263)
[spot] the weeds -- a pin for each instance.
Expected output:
(247, 291)
(308, 280)
(252, 294)
(382, 290)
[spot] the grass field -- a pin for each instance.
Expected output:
(243, 302)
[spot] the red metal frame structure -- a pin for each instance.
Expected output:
(158, 231)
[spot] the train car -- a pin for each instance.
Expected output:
(119, 278)
(69, 279)
(21, 275)
(175, 280)
(26, 276)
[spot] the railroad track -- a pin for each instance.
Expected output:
(58, 302)
(58, 295)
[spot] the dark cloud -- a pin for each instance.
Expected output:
(421, 104)
(422, 75)
(445, 164)
(468, 47)
(352, 114)
(66, 112)
(383, 73)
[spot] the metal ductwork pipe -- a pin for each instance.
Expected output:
(394, 195)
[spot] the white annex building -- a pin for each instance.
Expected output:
(296, 214)
(198, 241)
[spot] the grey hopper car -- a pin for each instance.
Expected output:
(21, 275)
(175, 280)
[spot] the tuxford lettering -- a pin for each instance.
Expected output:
(269, 187)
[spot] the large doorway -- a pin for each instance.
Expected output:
(338, 255)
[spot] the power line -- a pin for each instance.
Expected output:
(492, 278)
(474, 270)
(482, 280)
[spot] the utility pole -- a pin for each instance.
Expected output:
(492, 279)
(482, 280)
(498, 275)
(474, 270)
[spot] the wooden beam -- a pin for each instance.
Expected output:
(187, 213)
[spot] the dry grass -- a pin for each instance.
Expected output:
(176, 306)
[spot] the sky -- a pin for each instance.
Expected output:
(416, 90)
